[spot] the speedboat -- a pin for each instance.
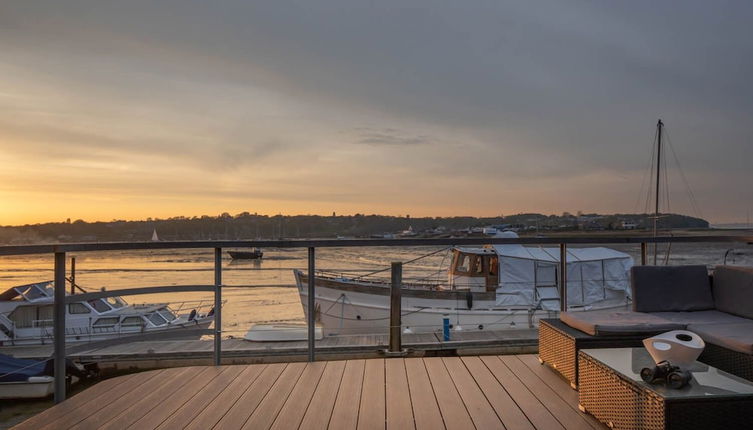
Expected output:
(26, 317)
(254, 254)
(495, 287)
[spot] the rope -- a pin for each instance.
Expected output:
(406, 262)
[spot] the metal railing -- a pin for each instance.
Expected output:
(60, 250)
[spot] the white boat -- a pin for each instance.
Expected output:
(34, 387)
(26, 317)
(31, 379)
(491, 288)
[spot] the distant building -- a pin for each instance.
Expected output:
(629, 225)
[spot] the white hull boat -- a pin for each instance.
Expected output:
(34, 387)
(497, 287)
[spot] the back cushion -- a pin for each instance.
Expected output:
(733, 290)
(671, 288)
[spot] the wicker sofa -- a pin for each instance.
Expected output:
(719, 308)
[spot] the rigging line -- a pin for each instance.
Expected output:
(691, 195)
(646, 179)
(666, 185)
(404, 263)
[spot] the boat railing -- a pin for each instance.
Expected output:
(59, 251)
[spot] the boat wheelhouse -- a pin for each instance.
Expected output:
(26, 316)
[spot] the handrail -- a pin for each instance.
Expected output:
(337, 243)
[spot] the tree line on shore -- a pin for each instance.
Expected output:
(244, 226)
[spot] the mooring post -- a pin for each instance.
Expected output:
(644, 252)
(311, 304)
(58, 321)
(395, 308)
(563, 277)
(73, 275)
(217, 306)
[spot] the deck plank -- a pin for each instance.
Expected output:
(482, 413)
(399, 408)
(425, 409)
(539, 415)
(372, 412)
(193, 415)
(508, 411)
(292, 412)
(239, 412)
(190, 400)
(140, 397)
(320, 408)
(267, 411)
(454, 414)
(566, 415)
(348, 402)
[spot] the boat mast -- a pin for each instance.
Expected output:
(659, 126)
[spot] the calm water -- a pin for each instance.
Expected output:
(262, 291)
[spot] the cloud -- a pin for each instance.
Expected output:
(390, 136)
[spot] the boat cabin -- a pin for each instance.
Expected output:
(476, 269)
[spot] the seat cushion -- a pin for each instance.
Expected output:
(735, 336)
(700, 317)
(608, 322)
(733, 290)
(671, 288)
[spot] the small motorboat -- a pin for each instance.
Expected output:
(32, 379)
(254, 254)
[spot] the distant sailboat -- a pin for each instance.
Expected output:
(155, 238)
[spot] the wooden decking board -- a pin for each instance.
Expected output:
(187, 402)
(348, 402)
(454, 413)
(507, 410)
(481, 412)
(512, 392)
(74, 403)
(105, 398)
(554, 381)
(239, 412)
(292, 412)
(567, 416)
(398, 400)
(425, 409)
(267, 411)
(372, 412)
(536, 412)
(320, 408)
(134, 397)
(217, 408)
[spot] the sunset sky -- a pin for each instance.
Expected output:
(130, 109)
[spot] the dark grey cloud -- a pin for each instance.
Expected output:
(539, 88)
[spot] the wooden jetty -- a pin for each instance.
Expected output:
(487, 392)
(165, 353)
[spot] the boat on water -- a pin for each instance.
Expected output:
(494, 287)
(26, 317)
(254, 254)
(33, 379)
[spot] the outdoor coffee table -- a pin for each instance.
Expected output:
(611, 389)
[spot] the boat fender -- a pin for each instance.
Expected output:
(469, 299)
(192, 315)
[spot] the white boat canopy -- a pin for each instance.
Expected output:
(528, 276)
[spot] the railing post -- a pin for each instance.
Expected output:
(73, 275)
(395, 308)
(59, 327)
(217, 306)
(563, 277)
(644, 253)
(311, 304)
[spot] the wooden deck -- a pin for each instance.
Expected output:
(513, 392)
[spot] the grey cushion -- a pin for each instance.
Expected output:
(734, 336)
(733, 290)
(671, 288)
(609, 322)
(700, 317)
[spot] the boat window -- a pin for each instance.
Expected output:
(99, 305)
(464, 264)
(478, 267)
(156, 319)
(493, 265)
(105, 322)
(115, 302)
(132, 322)
(166, 314)
(78, 308)
(32, 292)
